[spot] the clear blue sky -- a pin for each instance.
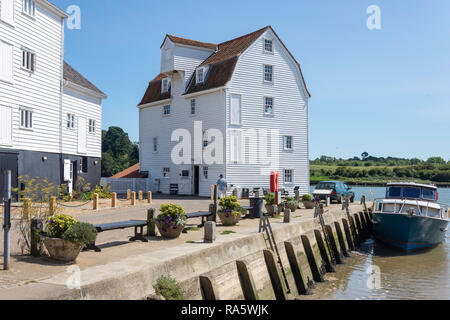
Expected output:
(384, 91)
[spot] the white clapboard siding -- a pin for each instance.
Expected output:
(290, 116)
(81, 106)
(5, 126)
(210, 111)
(38, 91)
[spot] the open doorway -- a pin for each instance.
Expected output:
(196, 180)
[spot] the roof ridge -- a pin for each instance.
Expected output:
(246, 35)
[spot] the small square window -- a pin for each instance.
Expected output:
(70, 121)
(166, 172)
(287, 142)
(288, 176)
(185, 173)
(167, 110)
(268, 45)
(26, 118)
(268, 105)
(28, 60)
(268, 73)
(165, 86)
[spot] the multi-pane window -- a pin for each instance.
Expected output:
(268, 105)
(26, 118)
(288, 176)
(91, 126)
(205, 173)
(29, 7)
(268, 73)
(28, 60)
(268, 45)
(165, 85)
(166, 110)
(200, 75)
(70, 121)
(287, 142)
(166, 172)
(193, 104)
(205, 139)
(83, 164)
(185, 174)
(155, 144)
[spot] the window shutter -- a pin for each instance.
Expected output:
(6, 61)
(5, 126)
(235, 146)
(7, 11)
(33, 68)
(235, 116)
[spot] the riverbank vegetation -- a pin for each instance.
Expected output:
(374, 170)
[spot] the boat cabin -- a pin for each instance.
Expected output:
(412, 191)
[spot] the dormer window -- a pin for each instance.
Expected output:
(268, 45)
(165, 85)
(200, 75)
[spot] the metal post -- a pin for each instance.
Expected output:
(7, 220)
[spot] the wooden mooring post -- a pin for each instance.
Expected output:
(95, 203)
(149, 197)
(114, 200)
(52, 206)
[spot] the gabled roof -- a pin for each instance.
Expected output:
(72, 75)
(131, 172)
(221, 64)
(154, 93)
(190, 42)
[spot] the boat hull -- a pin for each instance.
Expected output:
(409, 233)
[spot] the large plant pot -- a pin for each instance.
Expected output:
(309, 204)
(171, 232)
(228, 218)
(62, 250)
(293, 206)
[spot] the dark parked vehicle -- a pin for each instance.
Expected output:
(338, 190)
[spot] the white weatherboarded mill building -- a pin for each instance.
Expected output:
(248, 92)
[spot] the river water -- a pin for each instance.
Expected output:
(421, 275)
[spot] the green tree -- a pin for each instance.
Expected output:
(118, 152)
(436, 160)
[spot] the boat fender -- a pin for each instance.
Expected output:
(411, 213)
(444, 230)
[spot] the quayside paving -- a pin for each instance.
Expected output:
(236, 266)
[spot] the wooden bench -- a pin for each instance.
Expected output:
(201, 214)
(137, 224)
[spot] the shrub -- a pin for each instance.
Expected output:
(229, 203)
(80, 232)
(290, 200)
(307, 197)
(59, 224)
(172, 215)
(168, 287)
(102, 193)
(270, 199)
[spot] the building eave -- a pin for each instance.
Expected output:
(83, 90)
(154, 104)
(52, 8)
(199, 93)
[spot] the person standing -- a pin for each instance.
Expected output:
(222, 187)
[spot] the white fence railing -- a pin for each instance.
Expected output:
(120, 186)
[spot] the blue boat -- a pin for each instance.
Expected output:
(410, 217)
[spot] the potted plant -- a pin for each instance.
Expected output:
(231, 211)
(65, 237)
(270, 205)
(291, 203)
(308, 201)
(171, 221)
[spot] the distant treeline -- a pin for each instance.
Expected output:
(369, 168)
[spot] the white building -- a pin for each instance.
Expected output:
(49, 114)
(251, 89)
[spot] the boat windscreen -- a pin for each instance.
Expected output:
(394, 192)
(413, 193)
(429, 194)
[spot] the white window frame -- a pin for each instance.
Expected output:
(29, 8)
(168, 108)
(272, 73)
(285, 137)
(292, 176)
(205, 172)
(28, 62)
(165, 85)
(271, 45)
(240, 109)
(92, 126)
(8, 78)
(265, 106)
(186, 177)
(26, 118)
(197, 76)
(8, 19)
(155, 145)
(236, 155)
(193, 107)
(166, 173)
(83, 159)
(205, 139)
(70, 121)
